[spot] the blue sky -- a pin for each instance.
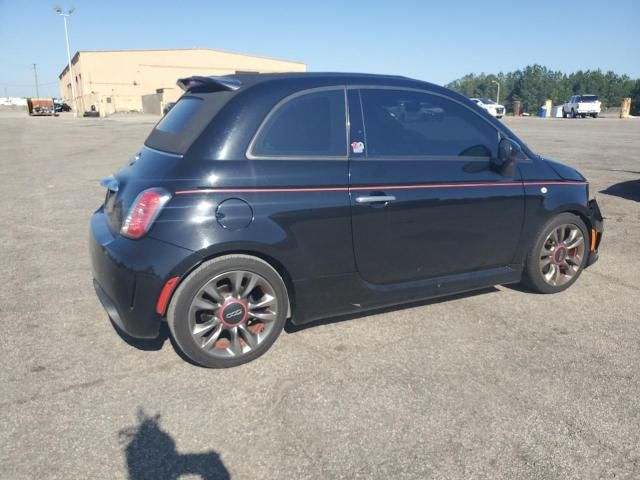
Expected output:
(434, 41)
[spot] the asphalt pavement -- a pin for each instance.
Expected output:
(500, 383)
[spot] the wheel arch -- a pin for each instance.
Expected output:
(582, 215)
(200, 259)
(534, 224)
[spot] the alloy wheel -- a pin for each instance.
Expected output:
(232, 314)
(562, 254)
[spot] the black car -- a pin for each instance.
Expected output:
(266, 197)
(62, 107)
(168, 107)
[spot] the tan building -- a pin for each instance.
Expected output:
(122, 80)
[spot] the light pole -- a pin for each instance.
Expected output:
(64, 16)
(35, 72)
(498, 94)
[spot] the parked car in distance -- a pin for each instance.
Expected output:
(581, 106)
(495, 109)
(267, 197)
(62, 107)
(168, 107)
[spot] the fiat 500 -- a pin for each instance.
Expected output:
(267, 198)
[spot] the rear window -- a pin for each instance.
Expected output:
(184, 123)
(179, 115)
(589, 98)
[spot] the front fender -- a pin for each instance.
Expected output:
(543, 201)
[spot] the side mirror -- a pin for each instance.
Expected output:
(508, 152)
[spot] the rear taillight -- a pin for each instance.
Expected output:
(143, 212)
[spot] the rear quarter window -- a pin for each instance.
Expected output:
(309, 124)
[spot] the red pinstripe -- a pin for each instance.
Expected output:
(372, 187)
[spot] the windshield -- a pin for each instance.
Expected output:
(589, 98)
(487, 101)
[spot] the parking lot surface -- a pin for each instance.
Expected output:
(497, 384)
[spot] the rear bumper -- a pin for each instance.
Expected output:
(597, 229)
(128, 276)
(109, 306)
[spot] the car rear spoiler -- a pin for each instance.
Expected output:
(209, 84)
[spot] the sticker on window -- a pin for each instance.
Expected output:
(357, 147)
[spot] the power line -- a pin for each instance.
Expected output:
(13, 64)
(26, 84)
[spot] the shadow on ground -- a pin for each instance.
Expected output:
(292, 328)
(151, 454)
(629, 190)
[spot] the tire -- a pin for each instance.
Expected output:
(252, 328)
(583, 115)
(544, 279)
(564, 114)
(573, 113)
(595, 115)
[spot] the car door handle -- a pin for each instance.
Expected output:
(376, 199)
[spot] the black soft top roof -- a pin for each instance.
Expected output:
(243, 81)
(216, 92)
(262, 90)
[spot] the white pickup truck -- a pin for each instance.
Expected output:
(581, 106)
(490, 106)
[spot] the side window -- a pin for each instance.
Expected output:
(399, 122)
(312, 124)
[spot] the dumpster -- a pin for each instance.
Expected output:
(40, 106)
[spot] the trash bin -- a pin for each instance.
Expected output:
(548, 104)
(516, 108)
(542, 113)
(625, 108)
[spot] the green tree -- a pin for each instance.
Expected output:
(535, 83)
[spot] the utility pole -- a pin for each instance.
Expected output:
(64, 15)
(35, 72)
